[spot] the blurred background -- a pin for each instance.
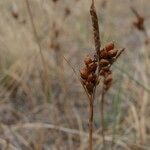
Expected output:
(42, 104)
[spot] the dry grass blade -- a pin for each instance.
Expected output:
(95, 27)
(7, 145)
(37, 126)
(119, 53)
(35, 32)
(135, 12)
(46, 71)
(68, 62)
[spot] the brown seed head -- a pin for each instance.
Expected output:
(105, 71)
(92, 67)
(90, 86)
(102, 72)
(109, 46)
(104, 62)
(92, 78)
(103, 54)
(112, 53)
(88, 60)
(84, 73)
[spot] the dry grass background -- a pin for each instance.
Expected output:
(50, 112)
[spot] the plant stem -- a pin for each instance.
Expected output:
(102, 117)
(91, 123)
(43, 61)
(35, 32)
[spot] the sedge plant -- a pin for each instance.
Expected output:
(97, 69)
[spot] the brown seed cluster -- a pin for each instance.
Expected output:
(88, 74)
(106, 57)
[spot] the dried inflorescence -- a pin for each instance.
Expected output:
(99, 66)
(106, 58)
(95, 69)
(139, 24)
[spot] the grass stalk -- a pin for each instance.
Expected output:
(35, 32)
(45, 73)
(102, 118)
(91, 114)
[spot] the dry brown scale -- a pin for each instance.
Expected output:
(99, 67)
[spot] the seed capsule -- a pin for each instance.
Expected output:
(92, 78)
(84, 73)
(104, 62)
(105, 71)
(88, 60)
(89, 87)
(112, 53)
(92, 67)
(110, 46)
(102, 72)
(103, 54)
(107, 68)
